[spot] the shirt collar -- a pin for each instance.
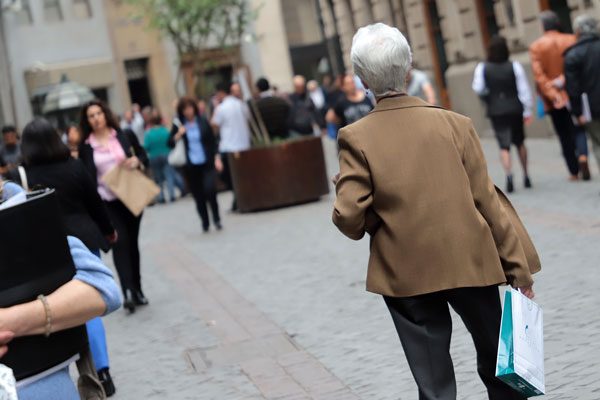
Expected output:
(92, 141)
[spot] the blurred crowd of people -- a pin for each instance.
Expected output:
(567, 86)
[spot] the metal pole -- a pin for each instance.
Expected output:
(324, 37)
(7, 75)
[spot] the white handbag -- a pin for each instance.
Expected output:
(177, 156)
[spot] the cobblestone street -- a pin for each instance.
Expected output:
(275, 307)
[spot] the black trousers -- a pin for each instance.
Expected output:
(425, 327)
(202, 180)
(226, 177)
(126, 252)
(565, 129)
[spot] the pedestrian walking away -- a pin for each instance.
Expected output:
(304, 114)
(104, 147)
(273, 110)
(503, 86)
(413, 176)
(156, 143)
(203, 161)
(582, 63)
(48, 164)
(547, 65)
(230, 119)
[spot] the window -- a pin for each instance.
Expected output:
(52, 11)
(82, 9)
(24, 14)
(510, 12)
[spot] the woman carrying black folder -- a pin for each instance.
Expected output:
(104, 147)
(48, 164)
(92, 292)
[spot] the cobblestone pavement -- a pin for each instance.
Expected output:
(274, 306)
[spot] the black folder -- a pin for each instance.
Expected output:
(35, 259)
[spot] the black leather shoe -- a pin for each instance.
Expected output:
(509, 184)
(527, 183)
(139, 298)
(107, 382)
(218, 226)
(128, 301)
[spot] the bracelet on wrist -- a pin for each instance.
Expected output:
(48, 327)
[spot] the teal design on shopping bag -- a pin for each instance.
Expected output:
(505, 366)
(505, 363)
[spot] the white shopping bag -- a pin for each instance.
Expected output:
(520, 362)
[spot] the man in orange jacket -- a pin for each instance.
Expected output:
(547, 64)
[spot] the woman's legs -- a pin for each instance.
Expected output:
(121, 249)
(126, 253)
(210, 191)
(156, 163)
(506, 161)
(169, 173)
(195, 178)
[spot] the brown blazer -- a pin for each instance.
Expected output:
(415, 177)
(547, 63)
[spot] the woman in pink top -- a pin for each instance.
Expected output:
(104, 146)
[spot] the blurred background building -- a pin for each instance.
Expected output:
(99, 44)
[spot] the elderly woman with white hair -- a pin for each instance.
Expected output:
(414, 177)
(582, 62)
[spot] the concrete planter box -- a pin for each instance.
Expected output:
(285, 174)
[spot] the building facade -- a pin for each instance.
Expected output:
(449, 38)
(93, 42)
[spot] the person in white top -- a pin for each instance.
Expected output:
(231, 120)
(503, 86)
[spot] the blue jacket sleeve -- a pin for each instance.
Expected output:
(91, 270)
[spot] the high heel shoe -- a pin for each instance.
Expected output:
(128, 301)
(139, 298)
(107, 382)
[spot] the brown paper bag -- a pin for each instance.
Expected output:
(132, 187)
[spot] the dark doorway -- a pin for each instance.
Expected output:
(436, 40)
(561, 8)
(137, 80)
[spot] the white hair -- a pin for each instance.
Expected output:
(381, 58)
(585, 25)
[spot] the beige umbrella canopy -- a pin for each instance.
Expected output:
(66, 95)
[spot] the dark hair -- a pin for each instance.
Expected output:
(550, 21)
(41, 144)
(185, 102)
(223, 87)
(84, 124)
(262, 84)
(8, 129)
(156, 120)
(497, 50)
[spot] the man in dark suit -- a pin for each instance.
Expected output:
(273, 110)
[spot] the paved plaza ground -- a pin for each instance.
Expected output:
(275, 307)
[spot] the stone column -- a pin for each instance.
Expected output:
(272, 43)
(382, 12)
(363, 12)
(346, 28)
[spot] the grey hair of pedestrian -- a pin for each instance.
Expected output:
(381, 58)
(550, 21)
(585, 25)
